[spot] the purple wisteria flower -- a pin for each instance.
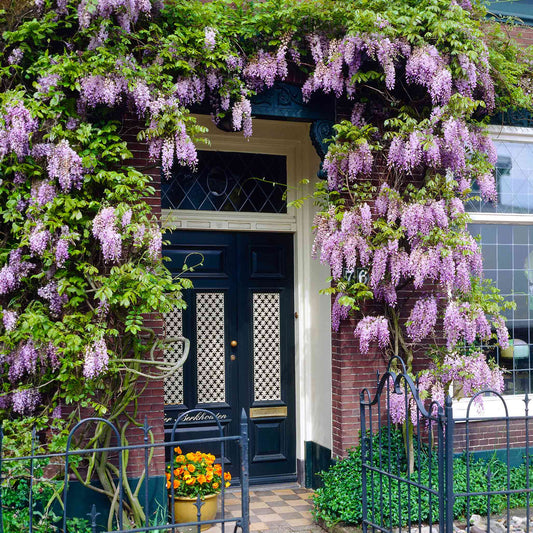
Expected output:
(19, 126)
(9, 319)
(105, 229)
(210, 38)
(15, 57)
(65, 165)
(242, 116)
(96, 359)
(56, 301)
(25, 401)
(372, 328)
(39, 239)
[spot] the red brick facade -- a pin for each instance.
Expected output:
(150, 403)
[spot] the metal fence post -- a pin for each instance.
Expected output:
(245, 492)
(448, 436)
(363, 459)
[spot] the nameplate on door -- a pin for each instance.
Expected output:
(268, 412)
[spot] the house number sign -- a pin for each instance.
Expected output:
(359, 275)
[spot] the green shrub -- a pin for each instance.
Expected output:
(340, 499)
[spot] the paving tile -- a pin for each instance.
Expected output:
(271, 498)
(269, 517)
(284, 509)
(300, 522)
(258, 526)
(275, 504)
(259, 505)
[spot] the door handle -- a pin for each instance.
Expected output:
(233, 344)
(232, 357)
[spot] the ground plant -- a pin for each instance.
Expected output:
(339, 500)
(80, 254)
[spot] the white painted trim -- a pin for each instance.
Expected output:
(224, 221)
(493, 407)
(501, 218)
(510, 133)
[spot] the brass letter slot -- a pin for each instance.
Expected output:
(268, 412)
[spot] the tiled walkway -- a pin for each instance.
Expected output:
(274, 509)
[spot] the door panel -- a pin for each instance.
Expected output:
(243, 292)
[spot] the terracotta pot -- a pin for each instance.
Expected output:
(185, 509)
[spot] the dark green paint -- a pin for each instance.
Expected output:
(317, 459)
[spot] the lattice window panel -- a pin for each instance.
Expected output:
(266, 331)
(173, 388)
(210, 342)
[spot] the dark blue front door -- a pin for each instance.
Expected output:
(239, 319)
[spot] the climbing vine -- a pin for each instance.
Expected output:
(80, 261)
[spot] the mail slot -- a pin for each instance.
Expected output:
(268, 412)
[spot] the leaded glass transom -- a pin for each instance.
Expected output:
(210, 343)
(173, 386)
(514, 180)
(229, 181)
(266, 331)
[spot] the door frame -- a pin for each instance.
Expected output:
(312, 334)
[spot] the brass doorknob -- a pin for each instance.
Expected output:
(233, 344)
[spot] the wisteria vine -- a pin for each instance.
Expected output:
(80, 256)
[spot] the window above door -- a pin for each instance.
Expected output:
(235, 182)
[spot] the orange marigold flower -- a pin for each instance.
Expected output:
(178, 450)
(191, 481)
(228, 483)
(178, 471)
(186, 475)
(176, 483)
(201, 479)
(227, 476)
(209, 476)
(215, 485)
(168, 484)
(191, 456)
(180, 459)
(168, 475)
(191, 468)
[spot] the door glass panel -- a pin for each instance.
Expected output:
(228, 181)
(210, 347)
(266, 332)
(173, 388)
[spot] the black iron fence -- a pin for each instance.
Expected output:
(439, 473)
(32, 468)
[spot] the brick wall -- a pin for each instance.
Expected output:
(150, 402)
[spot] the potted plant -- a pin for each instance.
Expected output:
(192, 475)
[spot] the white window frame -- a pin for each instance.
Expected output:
(493, 406)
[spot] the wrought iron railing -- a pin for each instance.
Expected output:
(167, 525)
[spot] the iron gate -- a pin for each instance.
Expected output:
(444, 471)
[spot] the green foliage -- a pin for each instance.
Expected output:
(339, 500)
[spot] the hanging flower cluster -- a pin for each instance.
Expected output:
(467, 375)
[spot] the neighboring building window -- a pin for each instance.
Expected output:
(229, 181)
(506, 237)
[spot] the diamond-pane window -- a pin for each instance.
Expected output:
(228, 181)
(514, 181)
